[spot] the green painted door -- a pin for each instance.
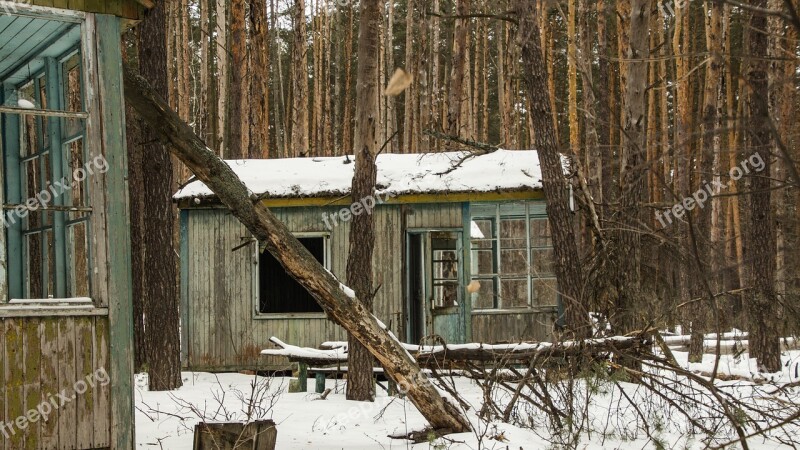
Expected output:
(435, 304)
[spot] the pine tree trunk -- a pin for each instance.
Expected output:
(459, 66)
(760, 251)
(300, 146)
(567, 263)
(160, 310)
(239, 118)
(360, 383)
(634, 190)
(223, 80)
(259, 81)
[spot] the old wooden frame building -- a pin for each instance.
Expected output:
(442, 221)
(65, 287)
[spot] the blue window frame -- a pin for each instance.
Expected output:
(46, 169)
(512, 256)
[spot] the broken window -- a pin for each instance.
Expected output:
(279, 293)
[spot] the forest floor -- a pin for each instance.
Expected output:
(165, 420)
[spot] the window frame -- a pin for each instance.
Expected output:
(527, 211)
(257, 314)
(51, 124)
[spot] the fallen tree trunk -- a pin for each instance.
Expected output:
(337, 300)
(437, 355)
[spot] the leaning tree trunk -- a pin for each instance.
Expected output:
(360, 385)
(567, 263)
(160, 307)
(341, 307)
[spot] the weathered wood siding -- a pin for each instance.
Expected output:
(435, 215)
(223, 331)
(513, 327)
(41, 357)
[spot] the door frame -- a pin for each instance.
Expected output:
(413, 324)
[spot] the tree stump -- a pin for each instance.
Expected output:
(258, 435)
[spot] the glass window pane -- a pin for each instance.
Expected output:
(514, 293)
(33, 266)
(482, 229)
(445, 294)
(514, 262)
(540, 233)
(30, 137)
(76, 174)
(545, 292)
(543, 261)
(512, 233)
(483, 262)
(485, 296)
(32, 179)
(78, 254)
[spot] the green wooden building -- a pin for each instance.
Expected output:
(65, 289)
(442, 222)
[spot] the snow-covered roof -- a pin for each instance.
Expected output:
(398, 174)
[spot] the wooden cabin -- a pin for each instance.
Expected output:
(65, 287)
(446, 225)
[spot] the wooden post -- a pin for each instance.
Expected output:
(120, 296)
(320, 387)
(302, 376)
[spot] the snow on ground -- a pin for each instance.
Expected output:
(166, 419)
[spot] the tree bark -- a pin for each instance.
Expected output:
(160, 292)
(299, 83)
(567, 263)
(345, 310)
(627, 252)
(459, 66)
(259, 81)
(762, 304)
(360, 384)
(239, 118)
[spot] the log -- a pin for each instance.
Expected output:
(336, 300)
(437, 355)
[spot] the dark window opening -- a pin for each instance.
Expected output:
(281, 294)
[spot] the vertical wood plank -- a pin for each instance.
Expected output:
(31, 349)
(97, 183)
(109, 64)
(102, 389)
(66, 379)
(184, 286)
(48, 337)
(14, 379)
(3, 363)
(84, 366)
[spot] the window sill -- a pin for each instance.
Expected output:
(532, 310)
(51, 307)
(284, 316)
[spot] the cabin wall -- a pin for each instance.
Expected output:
(221, 330)
(47, 356)
(513, 327)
